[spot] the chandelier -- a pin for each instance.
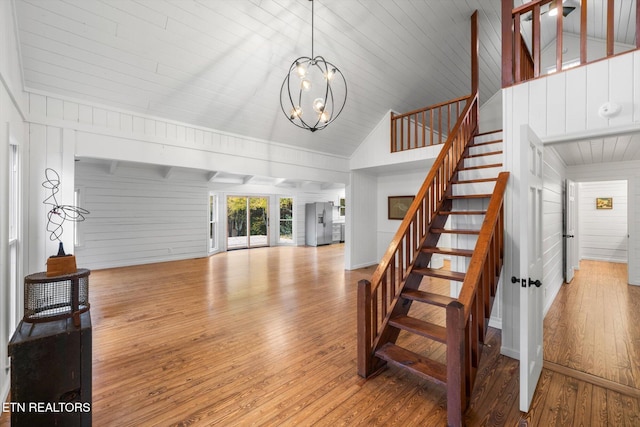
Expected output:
(314, 91)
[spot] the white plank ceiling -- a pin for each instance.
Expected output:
(220, 63)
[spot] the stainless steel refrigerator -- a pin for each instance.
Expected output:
(318, 223)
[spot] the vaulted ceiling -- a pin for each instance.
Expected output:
(221, 63)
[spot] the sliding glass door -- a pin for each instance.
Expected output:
(247, 222)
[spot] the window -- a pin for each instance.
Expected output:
(213, 222)
(285, 233)
(15, 282)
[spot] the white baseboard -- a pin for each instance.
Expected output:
(495, 322)
(509, 352)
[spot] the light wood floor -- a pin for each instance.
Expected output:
(267, 337)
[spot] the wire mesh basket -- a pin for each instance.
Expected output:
(48, 298)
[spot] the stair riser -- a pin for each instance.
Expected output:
(484, 160)
(489, 148)
(479, 173)
(473, 188)
(488, 137)
(468, 222)
(467, 241)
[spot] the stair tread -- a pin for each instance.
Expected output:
(470, 196)
(440, 273)
(454, 231)
(480, 144)
(493, 165)
(420, 327)
(491, 153)
(428, 297)
(448, 251)
(415, 363)
(462, 213)
(473, 181)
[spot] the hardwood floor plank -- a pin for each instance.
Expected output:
(582, 411)
(267, 337)
(599, 410)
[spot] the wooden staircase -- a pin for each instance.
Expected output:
(462, 198)
(472, 187)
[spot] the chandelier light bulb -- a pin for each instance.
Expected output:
(301, 70)
(296, 113)
(329, 74)
(305, 85)
(318, 105)
(325, 116)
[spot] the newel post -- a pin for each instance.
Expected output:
(456, 392)
(364, 328)
(392, 138)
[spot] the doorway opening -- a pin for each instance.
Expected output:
(602, 216)
(247, 222)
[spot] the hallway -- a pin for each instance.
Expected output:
(593, 325)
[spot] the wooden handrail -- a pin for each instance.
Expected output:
(424, 126)
(512, 54)
(466, 315)
(377, 299)
(480, 253)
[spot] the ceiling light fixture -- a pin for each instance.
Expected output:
(314, 91)
(568, 6)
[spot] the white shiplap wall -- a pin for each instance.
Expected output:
(552, 195)
(560, 107)
(603, 232)
(63, 129)
(139, 217)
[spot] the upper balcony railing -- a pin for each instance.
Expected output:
(537, 41)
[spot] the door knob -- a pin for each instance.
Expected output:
(514, 279)
(568, 235)
(537, 283)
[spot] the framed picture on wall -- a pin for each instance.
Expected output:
(604, 202)
(399, 205)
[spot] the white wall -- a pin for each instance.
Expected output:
(552, 223)
(560, 107)
(12, 107)
(630, 172)
(64, 129)
(490, 116)
(361, 221)
(139, 216)
(375, 150)
(399, 184)
(603, 232)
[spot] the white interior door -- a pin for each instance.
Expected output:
(569, 229)
(531, 291)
